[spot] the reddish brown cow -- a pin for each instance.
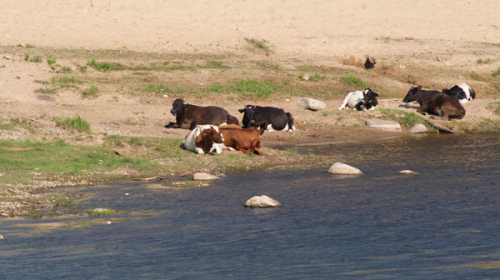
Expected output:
(242, 139)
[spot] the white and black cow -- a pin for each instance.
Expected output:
(204, 139)
(267, 118)
(463, 92)
(360, 100)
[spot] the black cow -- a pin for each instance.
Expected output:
(188, 116)
(267, 118)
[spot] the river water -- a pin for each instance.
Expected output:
(441, 224)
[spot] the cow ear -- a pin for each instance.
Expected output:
(241, 110)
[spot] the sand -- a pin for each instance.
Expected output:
(313, 27)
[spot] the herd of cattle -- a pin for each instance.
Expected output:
(213, 129)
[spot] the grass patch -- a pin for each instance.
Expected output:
(18, 159)
(406, 119)
(156, 88)
(105, 66)
(214, 64)
(313, 78)
(32, 58)
(496, 73)
(259, 45)
(90, 92)
(216, 88)
(254, 88)
(248, 88)
(495, 107)
(351, 79)
(51, 61)
(74, 124)
(266, 65)
(101, 212)
(13, 124)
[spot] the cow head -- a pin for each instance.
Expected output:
(177, 106)
(412, 94)
(248, 113)
(210, 141)
(370, 98)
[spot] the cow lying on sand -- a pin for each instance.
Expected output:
(435, 103)
(267, 118)
(204, 139)
(360, 100)
(189, 116)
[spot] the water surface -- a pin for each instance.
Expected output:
(441, 224)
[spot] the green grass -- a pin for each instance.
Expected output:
(32, 58)
(259, 45)
(105, 66)
(64, 82)
(51, 60)
(496, 73)
(314, 77)
(18, 159)
(351, 79)
(216, 88)
(90, 92)
(495, 107)
(247, 88)
(101, 212)
(406, 119)
(214, 64)
(13, 124)
(156, 88)
(74, 124)
(254, 88)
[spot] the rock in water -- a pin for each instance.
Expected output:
(313, 104)
(339, 168)
(384, 125)
(419, 128)
(202, 176)
(408, 172)
(262, 201)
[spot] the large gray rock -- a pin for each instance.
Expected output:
(313, 104)
(339, 168)
(384, 125)
(262, 201)
(419, 128)
(202, 176)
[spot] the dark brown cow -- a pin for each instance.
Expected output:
(436, 103)
(188, 115)
(242, 139)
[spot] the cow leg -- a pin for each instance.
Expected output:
(193, 125)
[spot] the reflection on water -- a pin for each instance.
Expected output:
(441, 224)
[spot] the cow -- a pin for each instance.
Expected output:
(242, 139)
(435, 103)
(463, 92)
(204, 139)
(360, 100)
(267, 118)
(189, 116)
